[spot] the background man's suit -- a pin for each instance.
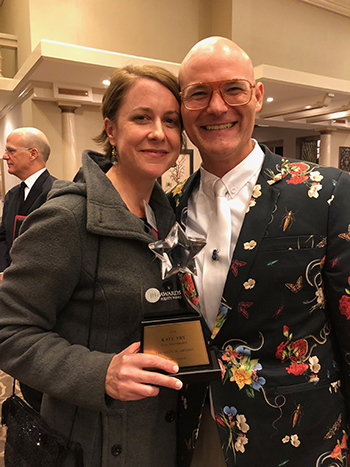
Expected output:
(283, 331)
(13, 206)
(36, 197)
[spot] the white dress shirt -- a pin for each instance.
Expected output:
(31, 180)
(240, 183)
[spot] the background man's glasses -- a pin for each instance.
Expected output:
(234, 92)
(12, 150)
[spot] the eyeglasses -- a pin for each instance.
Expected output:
(12, 150)
(234, 92)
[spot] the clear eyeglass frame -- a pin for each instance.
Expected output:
(12, 150)
(215, 86)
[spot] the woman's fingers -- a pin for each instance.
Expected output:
(132, 375)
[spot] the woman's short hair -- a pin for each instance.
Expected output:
(120, 82)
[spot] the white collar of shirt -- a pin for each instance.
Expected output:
(236, 178)
(31, 180)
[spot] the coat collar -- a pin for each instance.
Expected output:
(107, 214)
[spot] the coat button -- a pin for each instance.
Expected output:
(170, 416)
(116, 450)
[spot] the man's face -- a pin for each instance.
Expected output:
(222, 133)
(18, 161)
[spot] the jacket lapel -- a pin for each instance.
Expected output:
(179, 197)
(257, 218)
(34, 192)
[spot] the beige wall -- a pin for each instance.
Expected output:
(160, 29)
(285, 33)
(292, 34)
(15, 19)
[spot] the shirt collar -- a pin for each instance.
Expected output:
(33, 178)
(236, 178)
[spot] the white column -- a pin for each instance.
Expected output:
(71, 160)
(1, 75)
(325, 148)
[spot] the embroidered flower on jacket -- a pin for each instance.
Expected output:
(334, 386)
(241, 423)
(297, 179)
(242, 376)
(189, 289)
(295, 441)
(177, 192)
(297, 353)
(256, 194)
(241, 369)
(297, 369)
(236, 427)
(257, 191)
(299, 173)
(241, 441)
(276, 178)
(314, 365)
(337, 452)
(249, 245)
(313, 191)
(344, 301)
(315, 176)
(249, 284)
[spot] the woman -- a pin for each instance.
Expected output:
(72, 302)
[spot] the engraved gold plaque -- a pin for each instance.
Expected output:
(182, 341)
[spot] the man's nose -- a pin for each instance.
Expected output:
(217, 105)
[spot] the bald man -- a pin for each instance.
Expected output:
(273, 281)
(26, 153)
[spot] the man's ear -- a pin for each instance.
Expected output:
(259, 96)
(34, 153)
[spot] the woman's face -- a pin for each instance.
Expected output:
(146, 130)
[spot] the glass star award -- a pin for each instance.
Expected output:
(173, 326)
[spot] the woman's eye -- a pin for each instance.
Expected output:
(140, 118)
(172, 122)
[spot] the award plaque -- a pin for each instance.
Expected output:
(178, 333)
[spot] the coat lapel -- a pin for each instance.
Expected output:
(34, 192)
(257, 218)
(179, 197)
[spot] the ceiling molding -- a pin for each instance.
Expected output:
(342, 7)
(300, 111)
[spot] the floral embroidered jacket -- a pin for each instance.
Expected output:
(283, 327)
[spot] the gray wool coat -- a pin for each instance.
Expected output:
(45, 308)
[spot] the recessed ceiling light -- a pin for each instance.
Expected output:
(308, 107)
(269, 99)
(106, 82)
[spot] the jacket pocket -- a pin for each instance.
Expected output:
(307, 386)
(298, 242)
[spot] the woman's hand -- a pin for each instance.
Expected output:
(127, 379)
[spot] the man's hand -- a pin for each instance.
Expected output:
(127, 379)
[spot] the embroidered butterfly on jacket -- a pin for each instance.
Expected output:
(297, 286)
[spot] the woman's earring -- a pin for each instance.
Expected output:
(114, 154)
